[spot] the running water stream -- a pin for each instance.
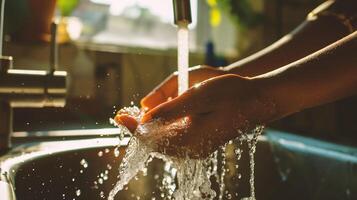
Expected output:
(193, 175)
(182, 57)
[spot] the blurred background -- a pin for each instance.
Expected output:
(116, 51)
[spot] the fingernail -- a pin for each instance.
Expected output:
(118, 120)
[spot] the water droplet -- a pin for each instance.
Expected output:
(100, 153)
(101, 194)
(156, 176)
(116, 152)
(109, 166)
(348, 192)
(84, 163)
(145, 171)
(78, 192)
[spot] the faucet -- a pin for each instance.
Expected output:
(28, 88)
(182, 12)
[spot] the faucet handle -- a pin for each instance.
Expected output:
(53, 48)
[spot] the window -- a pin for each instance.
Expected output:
(149, 24)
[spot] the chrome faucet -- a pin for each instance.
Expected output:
(182, 11)
(28, 88)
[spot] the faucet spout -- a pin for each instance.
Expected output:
(182, 11)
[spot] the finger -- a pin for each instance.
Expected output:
(127, 121)
(166, 90)
(185, 105)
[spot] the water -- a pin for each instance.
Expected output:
(252, 143)
(251, 140)
(182, 57)
(135, 159)
(222, 174)
(192, 176)
(183, 178)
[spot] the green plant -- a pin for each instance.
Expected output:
(67, 6)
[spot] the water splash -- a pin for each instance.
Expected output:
(222, 174)
(183, 178)
(134, 161)
(252, 140)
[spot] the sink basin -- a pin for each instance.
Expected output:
(287, 167)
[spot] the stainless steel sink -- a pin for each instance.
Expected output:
(66, 165)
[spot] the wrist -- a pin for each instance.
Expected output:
(269, 100)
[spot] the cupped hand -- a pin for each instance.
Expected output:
(208, 115)
(168, 88)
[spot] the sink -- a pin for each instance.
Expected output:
(86, 167)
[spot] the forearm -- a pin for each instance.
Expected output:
(310, 36)
(322, 77)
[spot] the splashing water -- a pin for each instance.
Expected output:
(221, 176)
(252, 140)
(134, 161)
(192, 175)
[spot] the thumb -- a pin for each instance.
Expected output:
(127, 121)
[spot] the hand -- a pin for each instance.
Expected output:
(201, 119)
(168, 89)
(210, 115)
